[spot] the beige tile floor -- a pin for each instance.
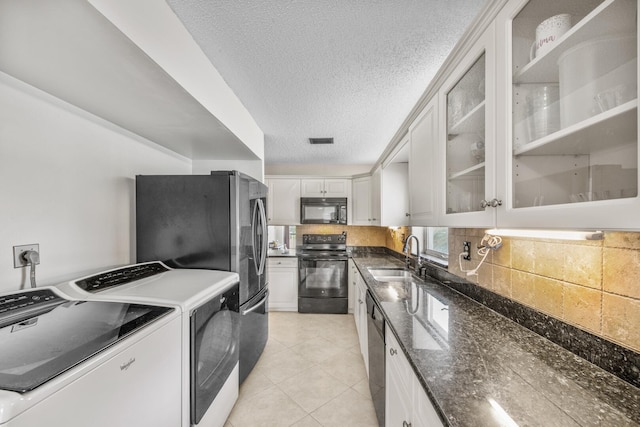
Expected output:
(310, 374)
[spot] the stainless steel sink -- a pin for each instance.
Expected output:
(390, 274)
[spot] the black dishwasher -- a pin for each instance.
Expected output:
(375, 333)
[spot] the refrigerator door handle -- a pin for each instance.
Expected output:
(263, 226)
(254, 221)
(255, 307)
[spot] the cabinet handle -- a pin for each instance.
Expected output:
(393, 351)
(407, 214)
(360, 301)
(494, 203)
(406, 424)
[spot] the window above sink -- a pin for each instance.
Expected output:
(434, 243)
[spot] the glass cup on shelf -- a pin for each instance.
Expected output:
(477, 151)
(543, 111)
(611, 98)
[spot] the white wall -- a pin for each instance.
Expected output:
(316, 169)
(67, 183)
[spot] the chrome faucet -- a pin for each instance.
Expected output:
(405, 249)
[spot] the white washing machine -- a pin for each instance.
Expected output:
(73, 363)
(209, 302)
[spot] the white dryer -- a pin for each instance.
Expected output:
(209, 302)
(73, 363)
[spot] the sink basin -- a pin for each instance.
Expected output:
(390, 274)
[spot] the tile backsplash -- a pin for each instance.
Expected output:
(359, 235)
(593, 285)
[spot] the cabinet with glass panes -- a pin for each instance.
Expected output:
(468, 97)
(570, 68)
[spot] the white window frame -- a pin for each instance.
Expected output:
(425, 236)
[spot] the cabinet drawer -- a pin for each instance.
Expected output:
(283, 262)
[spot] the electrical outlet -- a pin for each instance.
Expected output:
(466, 248)
(18, 261)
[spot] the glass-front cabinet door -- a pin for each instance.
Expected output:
(570, 100)
(469, 141)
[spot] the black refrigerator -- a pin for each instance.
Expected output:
(215, 222)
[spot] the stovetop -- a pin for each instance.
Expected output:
(325, 244)
(324, 239)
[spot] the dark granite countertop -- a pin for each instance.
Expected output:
(477, 365)
(277, 253)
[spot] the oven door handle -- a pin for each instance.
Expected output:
(255, 307)
(322, 259)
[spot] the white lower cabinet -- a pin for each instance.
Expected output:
(283, 284)
(407, 404)
(351, 277)
(360, 313)
(358, 302)
(363, 335)
(424, 414)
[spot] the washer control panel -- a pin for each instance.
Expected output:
(27, 299)
(120, 276)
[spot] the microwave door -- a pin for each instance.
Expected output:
(314, 213)
(324, 211)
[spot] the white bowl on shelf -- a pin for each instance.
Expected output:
(591, 68)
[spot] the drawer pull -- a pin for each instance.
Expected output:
(393, 351)
(406, 424)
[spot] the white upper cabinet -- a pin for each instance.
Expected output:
(376, 188)
(467, 106)
(394, 192)
(361, 201)
(319, 187)
(312, 188)
(283, 205)
(424, 182)
(569, 109)
(366, 204)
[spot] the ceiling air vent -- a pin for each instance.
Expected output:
(320, 140)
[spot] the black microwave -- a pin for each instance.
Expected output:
(319, 210)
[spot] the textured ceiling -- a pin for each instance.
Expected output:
(347, 69)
